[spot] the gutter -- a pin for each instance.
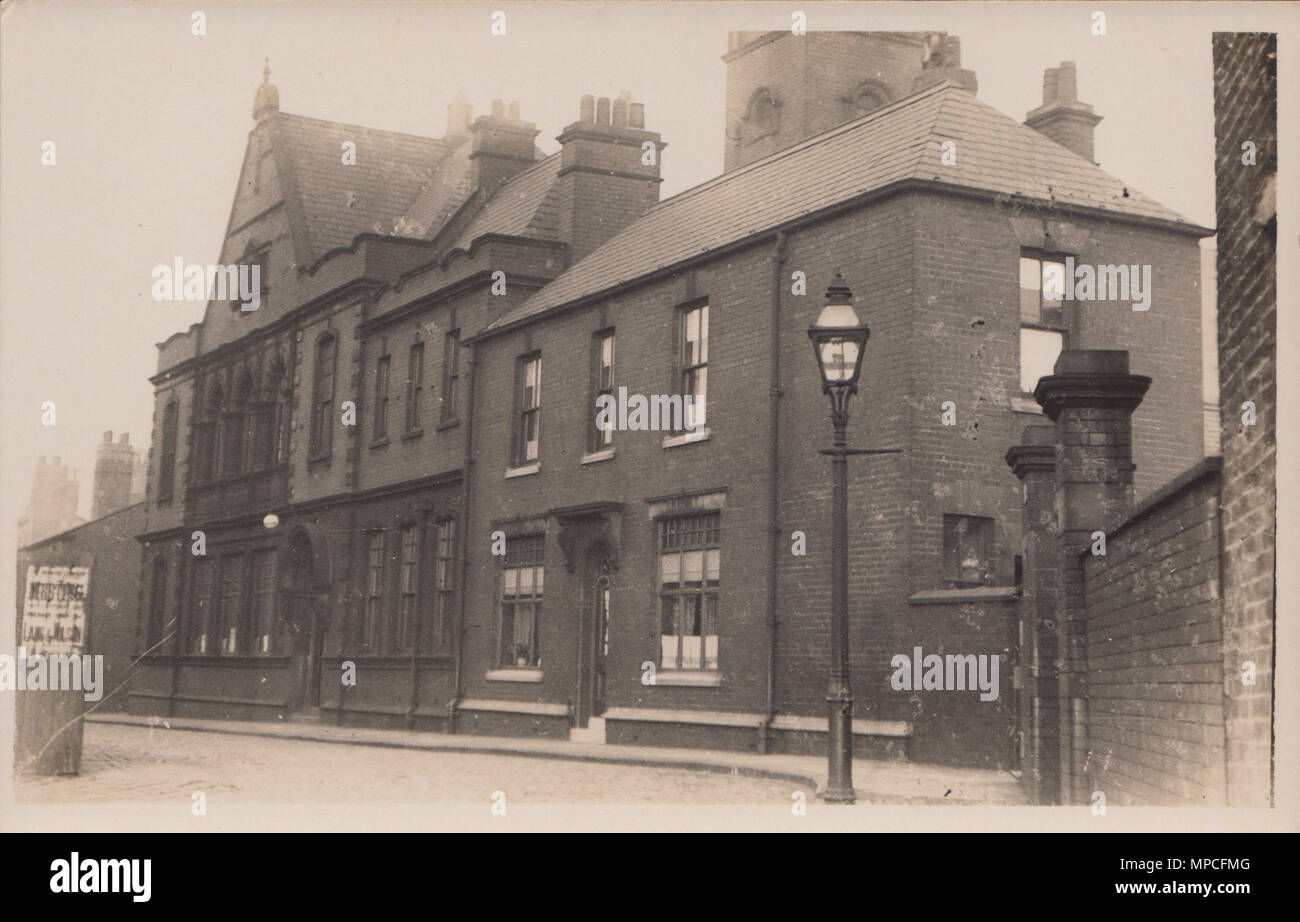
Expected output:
(773, 492)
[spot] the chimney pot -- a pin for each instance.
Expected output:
(1067, 87)
(498, 109)
(124, 438)
(602, 111)
(587, 109)
(1050, 80)
(620, 113)
(636, 115)
(514, 111)
(108, 438)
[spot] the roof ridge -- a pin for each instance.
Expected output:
(352, 127)
(784, 152)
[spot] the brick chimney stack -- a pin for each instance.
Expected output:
(114, 468)
(503, 146)
(459, 114)
(609, 172)
(943, 62)
(1062, 117)
(53, 504)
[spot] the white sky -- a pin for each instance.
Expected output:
(150, 124)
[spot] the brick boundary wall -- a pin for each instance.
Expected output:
(1154, 627)
(1245, 109)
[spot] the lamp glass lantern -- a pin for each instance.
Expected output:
(839, 339)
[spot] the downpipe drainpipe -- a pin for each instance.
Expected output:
(466, 470)
(773, 491)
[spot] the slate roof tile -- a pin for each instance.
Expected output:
(337, 201)
(900, 141)
(450, 186)
(523, 206)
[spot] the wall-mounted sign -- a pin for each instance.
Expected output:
(54, 610)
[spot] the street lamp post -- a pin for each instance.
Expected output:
(839, 340)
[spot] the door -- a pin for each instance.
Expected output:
(593, 634)
(304, 651)
(601, 652)
(304, 619)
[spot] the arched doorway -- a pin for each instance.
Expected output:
(304, 600)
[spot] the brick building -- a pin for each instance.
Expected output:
(106, 546)
(394, 463)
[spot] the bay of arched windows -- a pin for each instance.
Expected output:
(240, 430)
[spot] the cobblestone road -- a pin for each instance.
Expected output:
(126, 763)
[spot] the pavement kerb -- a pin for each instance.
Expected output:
(488, 746)
(722, 762)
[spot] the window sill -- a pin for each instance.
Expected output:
(1025, 404)
(514, 674)
(595, 457)
(449, 424)
(379, 443)
(973, 594)
(412, 434)
(523, 471)
(227, 480)
(696, 678)
(686, 438)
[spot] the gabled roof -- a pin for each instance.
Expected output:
(331, 203)
(901, 141)
(402, 184)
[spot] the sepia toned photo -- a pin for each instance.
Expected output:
(673, 416)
